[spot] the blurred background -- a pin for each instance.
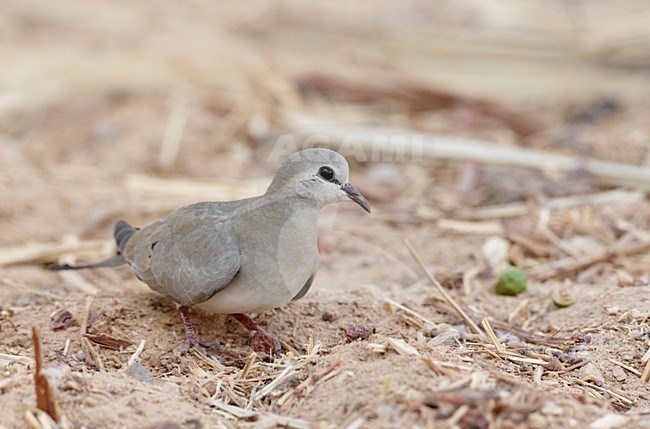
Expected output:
(116, 109)
(129, 109)
(99, 91)
(98, 98)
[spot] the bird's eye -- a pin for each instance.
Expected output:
(326, 173)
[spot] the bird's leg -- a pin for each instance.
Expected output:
(192, 338)
(260, 341)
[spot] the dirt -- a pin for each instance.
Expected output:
(95, 94)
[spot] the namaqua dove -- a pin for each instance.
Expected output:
(241, 256)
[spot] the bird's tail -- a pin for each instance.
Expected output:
(122, 233)
(113, 261)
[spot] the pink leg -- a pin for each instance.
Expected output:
(192, 338)
(260, 341)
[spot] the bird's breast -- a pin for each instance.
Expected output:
(275, 265)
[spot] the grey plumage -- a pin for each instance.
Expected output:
(240, 256)
(189, 255)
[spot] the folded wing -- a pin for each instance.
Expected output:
(188, 256)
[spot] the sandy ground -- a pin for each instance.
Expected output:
(118, 111)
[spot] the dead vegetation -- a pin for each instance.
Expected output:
(152, 107)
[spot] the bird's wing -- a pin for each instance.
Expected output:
(189, 255)
(306, 287)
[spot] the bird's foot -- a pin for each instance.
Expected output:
(260, 340)
(192, 339)
(264, 343)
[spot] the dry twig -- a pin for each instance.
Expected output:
(84, 323)
(45, 399)
(376, 141)
(442, 291)
(566, 266)
(311, 381)
(135, 355)
(409, 311)
(491, 335)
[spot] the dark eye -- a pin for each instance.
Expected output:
(326, 173)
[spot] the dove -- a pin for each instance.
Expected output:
(243, 256)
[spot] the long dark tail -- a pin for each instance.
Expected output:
(122, 233)
(113, 261)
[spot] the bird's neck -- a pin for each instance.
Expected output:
(285, 206)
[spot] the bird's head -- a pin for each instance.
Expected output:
(319, 175)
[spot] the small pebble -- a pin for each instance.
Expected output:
(495, 252)
(554, 364)
(209, 389)
(592, 372)
(140, 373)
(329, 317)
(618, 373)
(358, 331)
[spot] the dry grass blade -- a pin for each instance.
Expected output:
(435, 364)
(524, 334)
(135, 355)
(173, 136)
(646, 356)
(566, 266)
(213, 363)
(51, 252)
(7, 359)
(617, 393)
(442, 291)
(471, 227)
(76, 280)
(45, 399)
(39, 419)
(501, 211)
(6, 280)
(282, 378)
(521, 359)
(645, 376)
(288, 422)
(409, 311)
(626, 367)
(233, 410)
(311, 381)
(94, 354)
(402, 347)
(615, 196)
(249, 364)
(458, 415)
(492, 336)
(431, 146)
(84, 322)
(194, 189)
(494, 212)
(537, 375)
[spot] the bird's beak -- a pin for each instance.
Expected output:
(355, 196)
